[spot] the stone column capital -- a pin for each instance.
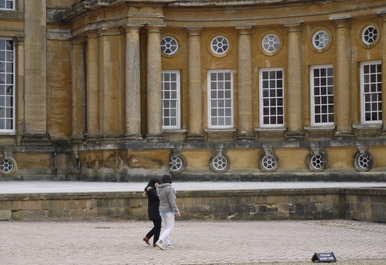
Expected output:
(19, 40)
(294, 27)
(154, 28)
(79, 40)
(382, 14)
(341, 21)
(244, 29)
(92, 34)
(109, 31)
(133, 27)
(194, 30)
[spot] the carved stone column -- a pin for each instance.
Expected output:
(154, 86)
(294, 102)
(245, 125)
(111, 85)
(343, 80)
(35, 73)
(92, 85)
(195, 132)
(78, 89)
(133, 84)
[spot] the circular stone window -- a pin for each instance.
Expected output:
(219, 163)
(320, 40)
(363, 161)
(269, 163)
(177, 163)
(7, 166)
(169, 45)
(317, 162)
(220, 45)
(270, 42)
(369, 35)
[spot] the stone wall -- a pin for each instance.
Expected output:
(302, 204)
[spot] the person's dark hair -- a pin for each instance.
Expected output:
(166, 179)
(152, 183)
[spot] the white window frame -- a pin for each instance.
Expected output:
(8, 1)
(216, 105)
(371, 33)
(171, 98)
(270, 43)
(169, 45)
(220, 45)
(262, 98)
(320, 40)
(324, 101)
(6, 84)
(365, 95)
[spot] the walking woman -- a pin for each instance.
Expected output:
(168, 210)
(153, 210)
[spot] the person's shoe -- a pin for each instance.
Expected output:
(170, 246)
(160, 244)
(146, 240)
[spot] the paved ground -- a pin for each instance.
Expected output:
(201, 243)
(233, 242)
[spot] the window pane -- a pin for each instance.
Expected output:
(371, 92)
(322, 97)
(6, 83)
(170, 99)
(221, 102)
(271, 94)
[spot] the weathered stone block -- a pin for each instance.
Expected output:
(34, 215)
(57, 213)
(30, 205)
(10, 205)
(83, 213)
(5, 215)
(52, 204)
(201, 209)
(79, 204)
(18, 215)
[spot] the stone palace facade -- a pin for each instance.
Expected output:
(120, 90)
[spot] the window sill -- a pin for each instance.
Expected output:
(367, 126)
(7, 133)
(319, 128)
(174, 130)
(225, 130)
(273, 129)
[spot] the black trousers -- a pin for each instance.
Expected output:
(155, 231)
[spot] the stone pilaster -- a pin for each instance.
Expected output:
(343, 80)
(20, 95)
(78, 89)
(111, 84)
(154, 86)
(35, 73)
(195, 132)
(92, 85)
(294, 88)
(133, 84)
(245, 125)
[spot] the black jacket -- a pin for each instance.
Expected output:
(153, 204)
